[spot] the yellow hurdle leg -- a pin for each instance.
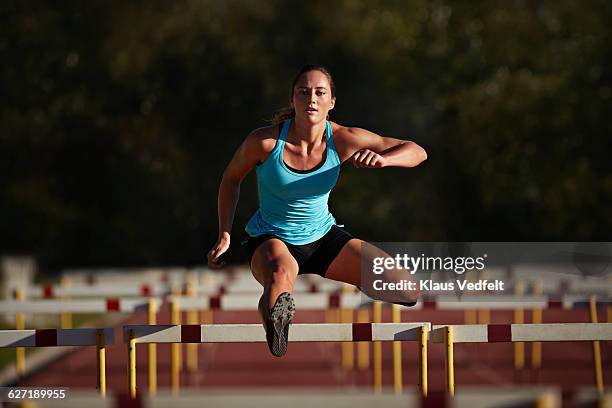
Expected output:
(469, 316)
(377, 318)
(397, 353)
(20, 353)
(66, 318)
(207, 317)
(519, 346)
(132, 363)
(484, 316)
(175, 365)
(596, 349)
(101, 362)
(519, 318)
(536, 318)
(175, 369)
(346, 316)
(192, 318)
(192, 348)
(450, 369)
(363, 347)
(536, 346)
(152, 348)
(423, 360)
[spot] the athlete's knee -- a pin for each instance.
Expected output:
(282, 273)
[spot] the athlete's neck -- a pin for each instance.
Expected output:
(306, 134)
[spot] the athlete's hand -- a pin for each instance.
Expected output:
(215, 253)
(367, 159)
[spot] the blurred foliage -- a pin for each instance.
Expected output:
(118, 118)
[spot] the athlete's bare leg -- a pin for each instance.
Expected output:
(346, 267)
(274, 268)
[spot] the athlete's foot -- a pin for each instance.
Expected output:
(276, 322)
(407, 302)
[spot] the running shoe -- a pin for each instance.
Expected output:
(276, 323)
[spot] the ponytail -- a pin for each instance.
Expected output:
(282, 115)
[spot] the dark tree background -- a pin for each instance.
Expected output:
(118, 118)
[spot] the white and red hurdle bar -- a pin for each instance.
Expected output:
(44, 306)
(496, 333)
(52, 291)
(65, 308)
(254, 333)
(324, 301)
(64, 337)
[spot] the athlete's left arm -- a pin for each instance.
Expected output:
(369, 150)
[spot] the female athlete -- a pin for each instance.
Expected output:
(297, 161)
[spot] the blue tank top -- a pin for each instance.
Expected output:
(293, 205)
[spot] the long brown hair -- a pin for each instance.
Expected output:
(288, 112)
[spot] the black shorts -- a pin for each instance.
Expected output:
(311, 258)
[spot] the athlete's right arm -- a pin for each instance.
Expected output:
(254, 149)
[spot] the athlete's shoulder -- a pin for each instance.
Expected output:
(349, 139)
(262, 139)
(345, 134)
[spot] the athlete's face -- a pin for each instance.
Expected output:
(312, 98)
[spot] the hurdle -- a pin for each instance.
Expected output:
(128, 305)
(323, 301)
(519, 318)
(64, 337)
(346, 316)
(493, 333)
(518, 303)
(20, 355)
(506, 302)
(377, 350)
(254, 333)
(249, 301)
(536, 318)
(249, 285)
(152, 288)
(52, 291)
(62, 308)
(192, 318)
(343, 303)
(127, 275)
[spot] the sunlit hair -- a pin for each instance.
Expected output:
(288, 112)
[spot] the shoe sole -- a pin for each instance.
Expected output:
(281, 316)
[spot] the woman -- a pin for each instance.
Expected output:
(297, 162)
